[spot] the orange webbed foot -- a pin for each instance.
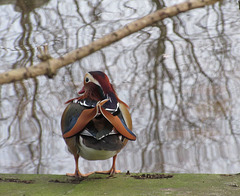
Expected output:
(111, 172)
(78, 174)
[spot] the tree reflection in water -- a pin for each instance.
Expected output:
(178, 76)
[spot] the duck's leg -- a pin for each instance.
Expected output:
(77, 173)
(112, 171)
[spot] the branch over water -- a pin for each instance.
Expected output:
(50, 66)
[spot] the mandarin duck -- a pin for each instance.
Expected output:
(96, 125)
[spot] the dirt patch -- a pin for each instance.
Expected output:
(152, 176)
(70, 181)
(233, 185)
(226, 175)
(74, 180)
(16, 180)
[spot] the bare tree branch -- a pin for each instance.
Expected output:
(50, 66)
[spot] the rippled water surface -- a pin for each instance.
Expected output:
(180, 77)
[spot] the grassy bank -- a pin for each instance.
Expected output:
(120, 184)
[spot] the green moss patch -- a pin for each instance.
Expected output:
(120, 184)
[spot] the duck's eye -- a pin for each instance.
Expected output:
(87, 80)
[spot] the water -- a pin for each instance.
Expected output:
(180, 78)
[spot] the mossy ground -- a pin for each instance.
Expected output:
(120, 184)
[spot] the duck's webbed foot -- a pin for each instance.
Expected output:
(112, 171)
(78, 174)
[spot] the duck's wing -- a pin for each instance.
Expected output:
(75, 118)
(122, 123)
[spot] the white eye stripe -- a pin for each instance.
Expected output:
(91, 79)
